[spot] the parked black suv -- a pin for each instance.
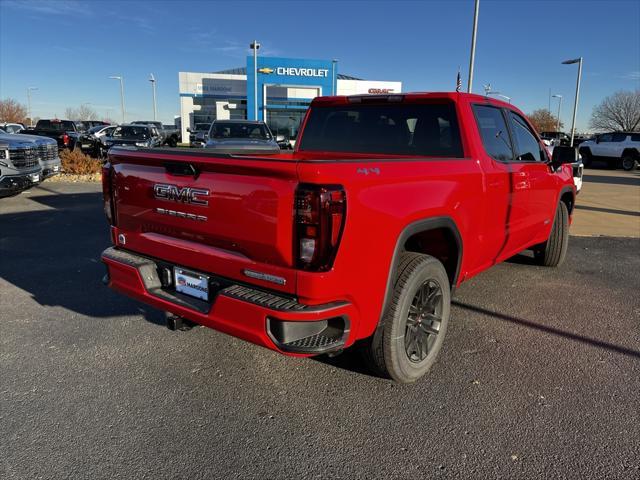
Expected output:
(134, 136)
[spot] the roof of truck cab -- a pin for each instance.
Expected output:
(410, 96)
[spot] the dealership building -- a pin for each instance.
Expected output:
(276, 90)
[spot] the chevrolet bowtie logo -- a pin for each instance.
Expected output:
(265, 70)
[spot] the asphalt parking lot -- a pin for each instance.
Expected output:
(539, 376)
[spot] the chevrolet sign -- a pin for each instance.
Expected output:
(297, 72)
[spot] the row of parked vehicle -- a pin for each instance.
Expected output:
(25, 161)
(97, 140)
(30, 155)
(94, 137)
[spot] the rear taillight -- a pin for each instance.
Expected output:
(107, 193)
(65, 139)
(319, 216)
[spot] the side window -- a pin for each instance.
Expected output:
(494, 132)
(619, 137)
(527, 146)
(635, 137)
(605, 138)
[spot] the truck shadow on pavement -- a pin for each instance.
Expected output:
(608, 210)
(54, 255)
(546, 329)
(352, 361)
(624, 178)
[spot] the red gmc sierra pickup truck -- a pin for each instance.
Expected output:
(386, 205)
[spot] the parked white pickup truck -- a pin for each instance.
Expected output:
(619, 149)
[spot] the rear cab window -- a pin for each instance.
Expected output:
(404, 129)
(61, 125)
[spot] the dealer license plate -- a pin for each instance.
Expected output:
(191, 283)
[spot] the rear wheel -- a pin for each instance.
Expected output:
(553, 252)
(585, 153)
(629, 163)
(407, 341)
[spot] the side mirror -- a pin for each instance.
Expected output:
(279, 138)
(597, 139)
(562, 155)
(189, 129)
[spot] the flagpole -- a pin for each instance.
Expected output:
(473, 45)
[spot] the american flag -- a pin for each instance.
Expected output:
(458, 81)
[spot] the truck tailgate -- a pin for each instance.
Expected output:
(219, 214)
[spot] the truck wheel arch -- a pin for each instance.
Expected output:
(409, 240)
(568, 197)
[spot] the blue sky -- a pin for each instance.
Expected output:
(68, 48)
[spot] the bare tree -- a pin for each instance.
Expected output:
(620, 111)
(83, 112)
(71, 113)
(12, 111)
(544, 120)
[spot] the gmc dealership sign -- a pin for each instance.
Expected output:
(381, 90)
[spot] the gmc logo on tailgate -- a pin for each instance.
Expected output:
(185, 195)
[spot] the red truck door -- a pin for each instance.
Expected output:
(542, 184)
(507, 182)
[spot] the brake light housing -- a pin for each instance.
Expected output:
(320, 212)
(65, 139)
(107, 193)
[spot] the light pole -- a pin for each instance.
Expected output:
(119, 77)
(559, 97)
(255, 46)
(473, 45)
(334, 62)
(575, 103)
(153, 88)
(29, 90)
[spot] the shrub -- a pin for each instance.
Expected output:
(77, 163)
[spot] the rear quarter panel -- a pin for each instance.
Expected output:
(383, 197)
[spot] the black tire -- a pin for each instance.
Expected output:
(587, 158)
(553, 252)
(628, 163)
(409, 337)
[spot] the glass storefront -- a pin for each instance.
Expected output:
(205, 109)
(285, 122)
